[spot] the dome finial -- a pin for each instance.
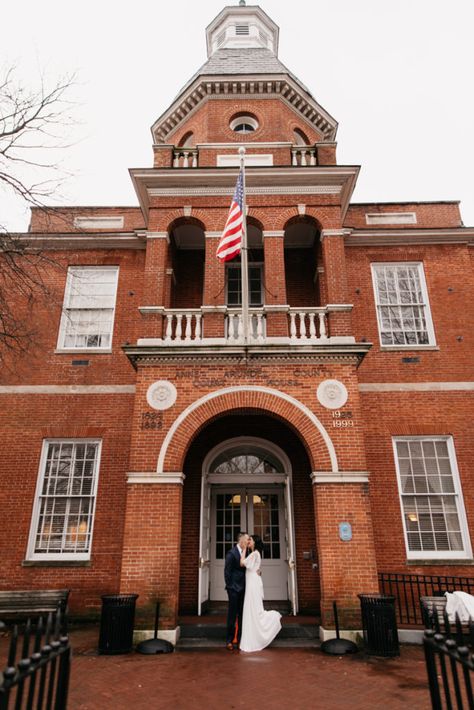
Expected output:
(242, 2)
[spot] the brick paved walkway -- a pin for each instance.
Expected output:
(290, 679)
(276, 678)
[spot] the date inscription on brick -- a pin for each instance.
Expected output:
(342, 420)
(152, 420)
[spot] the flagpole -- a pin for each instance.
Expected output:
(244, 258)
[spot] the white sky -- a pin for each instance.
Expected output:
(397, 76)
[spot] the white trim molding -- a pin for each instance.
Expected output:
(335, 233)
(67, 389)
(340, 477)
(158, 235)
(152, 478)
(416, 387)
(273, 233)
(247, 388)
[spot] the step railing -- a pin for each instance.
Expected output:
(185, 158)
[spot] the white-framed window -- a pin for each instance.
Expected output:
(88, 309)
(403, 310)
(234, 285)
(63, 513)
(431, 500)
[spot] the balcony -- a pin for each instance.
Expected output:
(223, 326)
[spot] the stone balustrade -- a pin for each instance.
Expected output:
(305, 326)
(303, 155)
(182, 326)
(185, 158)
(308, 324)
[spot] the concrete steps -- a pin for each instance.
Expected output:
(198, 636)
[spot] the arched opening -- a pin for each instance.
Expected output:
(187, 141)
(299, 137)
(301, 241)
(258, 480)
(187, 251)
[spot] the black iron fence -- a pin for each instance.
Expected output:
(449, 663)
(36, 676)
(409, 588)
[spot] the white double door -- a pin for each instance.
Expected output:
(258, 511)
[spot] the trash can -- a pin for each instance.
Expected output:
(379, 624)
(116, 623)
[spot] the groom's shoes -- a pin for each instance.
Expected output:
(229, 647)
(236, 646)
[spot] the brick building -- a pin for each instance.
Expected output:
(141, 432)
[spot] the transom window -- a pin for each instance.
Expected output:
(402, 305)
(234, 284)
(64, 509)
(88, 310)
(246, 460)
(431, 500)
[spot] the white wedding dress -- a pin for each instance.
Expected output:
(259, 627)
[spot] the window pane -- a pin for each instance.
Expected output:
(404, 323)
(429, 500)
(66, 503)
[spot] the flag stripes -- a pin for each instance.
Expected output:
(231, 241)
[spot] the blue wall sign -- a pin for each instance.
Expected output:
(345, 531)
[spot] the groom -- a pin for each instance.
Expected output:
(234, 576)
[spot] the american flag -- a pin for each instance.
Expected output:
(231, 241)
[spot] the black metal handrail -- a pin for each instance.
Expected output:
(409, 588)
(39, 678)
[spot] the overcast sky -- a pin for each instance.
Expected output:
(397, 76)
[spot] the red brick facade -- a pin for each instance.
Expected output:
(317, 252)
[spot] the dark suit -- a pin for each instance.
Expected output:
(234, 576)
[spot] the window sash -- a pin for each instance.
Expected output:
(63, 515)
(89, 308)
(401, 298)
(234, 285)
(431, 502)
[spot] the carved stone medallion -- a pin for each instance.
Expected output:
(161, 395)
(332, 394)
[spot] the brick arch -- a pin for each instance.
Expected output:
(325, 217)
(187, 425)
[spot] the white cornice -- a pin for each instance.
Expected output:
(387, 237)
(83, 241)
(248, 146)
(291, 180)
(247, 87)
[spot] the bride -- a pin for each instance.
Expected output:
(259, 627)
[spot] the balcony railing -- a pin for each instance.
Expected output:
(185, 158)
(304, 326)
(303, 155)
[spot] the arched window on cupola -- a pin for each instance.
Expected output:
(299, 137)
(302, 152)
(187, 141)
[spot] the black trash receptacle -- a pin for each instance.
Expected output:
(116, 623)
(379, 624)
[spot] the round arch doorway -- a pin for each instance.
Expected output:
(246, 485)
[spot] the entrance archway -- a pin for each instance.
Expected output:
(246, 485)
(267, 482)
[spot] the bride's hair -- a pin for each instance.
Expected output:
(258, 543)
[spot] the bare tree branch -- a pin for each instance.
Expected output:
(34, 122)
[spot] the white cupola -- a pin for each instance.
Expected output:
(242, 27)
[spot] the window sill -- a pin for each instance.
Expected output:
(408, 348)
(82, 351)
(56, 563)
(461, 561)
